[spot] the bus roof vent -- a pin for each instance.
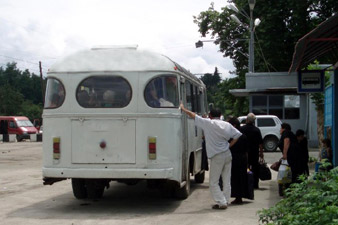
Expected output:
(103, 47)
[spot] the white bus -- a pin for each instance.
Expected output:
(112, 114)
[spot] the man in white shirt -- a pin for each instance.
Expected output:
(217, 135)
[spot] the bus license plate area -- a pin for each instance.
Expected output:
(103, 141)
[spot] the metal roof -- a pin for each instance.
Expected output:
(321, 40)
(264, 91)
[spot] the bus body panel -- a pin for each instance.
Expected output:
(104, 141)
(114, 143)
(74, 157)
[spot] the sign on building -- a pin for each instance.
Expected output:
(311, 81)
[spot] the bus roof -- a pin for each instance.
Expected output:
(117, 59)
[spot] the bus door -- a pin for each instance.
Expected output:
(185, 141)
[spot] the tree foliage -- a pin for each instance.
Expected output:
(211, 81)
(283, 23)
(312, 202)
(20, 93)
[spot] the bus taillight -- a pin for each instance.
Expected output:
(152, 147)
(56, 148)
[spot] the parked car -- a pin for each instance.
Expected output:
(19, 125)
(269, 126)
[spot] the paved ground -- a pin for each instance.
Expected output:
(24, 200)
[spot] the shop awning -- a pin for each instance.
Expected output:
(321, 40)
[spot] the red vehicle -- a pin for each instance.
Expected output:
(19, 125)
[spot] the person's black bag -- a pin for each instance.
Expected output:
(264, 171)
(250, 195)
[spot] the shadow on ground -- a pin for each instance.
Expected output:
(120, 201)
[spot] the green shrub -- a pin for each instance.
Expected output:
(314, 201)
(312, 159)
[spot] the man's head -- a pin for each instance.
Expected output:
(234, 122)
(215, 113)
(284, 126)
(250, 118)
(300, 134)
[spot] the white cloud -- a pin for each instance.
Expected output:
(47, 30)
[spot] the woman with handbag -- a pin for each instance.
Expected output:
(289, 147)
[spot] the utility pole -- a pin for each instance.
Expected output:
(42, 87)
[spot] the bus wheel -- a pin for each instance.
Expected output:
(199, 178)
(183, 193)
(79, 188)
(95, 188)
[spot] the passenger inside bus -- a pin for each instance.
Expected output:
(162, 92)
(55, 101)
(171, 90)
(109, 99)
(151, 96)
(83, 98)
(55, 94)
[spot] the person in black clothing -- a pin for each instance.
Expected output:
(255, 141)
(289, 146)
(303, 151)
(239, 152)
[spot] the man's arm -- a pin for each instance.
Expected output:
(232, 142)
(286, 147)
(261, 153)
(189, 113)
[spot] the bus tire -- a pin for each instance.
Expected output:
(95, 188)
(79, 188)
(199, 178)
(184, 192)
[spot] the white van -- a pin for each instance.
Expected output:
(113, 114)
(269, 125)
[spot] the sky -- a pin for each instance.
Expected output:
(47, 30)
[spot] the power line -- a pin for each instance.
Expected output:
(22, 60)
(261, 51)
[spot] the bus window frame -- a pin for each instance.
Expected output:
(161, 76)
(101, 107)
(64, 91)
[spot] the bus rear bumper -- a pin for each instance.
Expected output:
(164, 173)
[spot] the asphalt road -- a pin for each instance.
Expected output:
(25, 200)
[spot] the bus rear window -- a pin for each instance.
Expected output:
(162, 92)
(55, 93)
(104, 92)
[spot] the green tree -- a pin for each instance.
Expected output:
(231, 105)
(10, 101)
(20, 92)
(30, 110)
(211, 81)
(283, 23)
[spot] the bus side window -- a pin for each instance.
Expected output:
(189, 95)
(162, 92)
(199, 102)
(55, 93)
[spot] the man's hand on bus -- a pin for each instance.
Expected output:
(189, 113)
